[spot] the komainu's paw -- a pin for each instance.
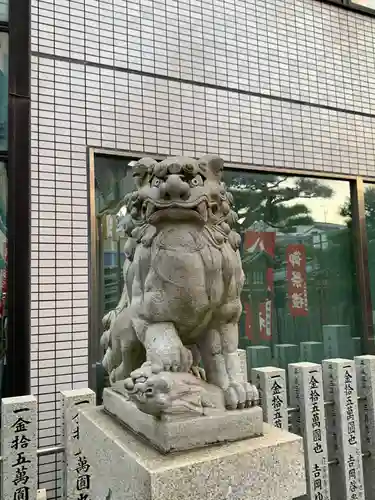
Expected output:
(177, 359)
(241, 395)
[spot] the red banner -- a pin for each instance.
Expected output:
(296, 279)
(254, 242)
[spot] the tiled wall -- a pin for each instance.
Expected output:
(279, 83)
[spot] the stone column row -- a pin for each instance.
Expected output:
(332, 405)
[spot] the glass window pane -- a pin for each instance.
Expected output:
(113, 180)
(297, 257)
(3, 267)
(369, 4)
(4, 10)
(4, 91)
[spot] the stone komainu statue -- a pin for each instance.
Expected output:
(183, 279)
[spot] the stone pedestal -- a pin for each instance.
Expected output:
(178, 434)
(270, 467)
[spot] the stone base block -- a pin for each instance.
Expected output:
(270, 467)
(338, 342)
(184, 434)
(258, 356)
(286, 354)
(312, 352)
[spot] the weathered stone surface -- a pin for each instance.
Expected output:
(183, 280)
(271, 384)
(365, 368)
(265, 468)
(306, 394)
(18, 447)
(340, 386)
(173, 394)
(180, 433)
(77, 473)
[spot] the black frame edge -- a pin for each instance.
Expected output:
(93, 299)
(362, 269)
(19, 338)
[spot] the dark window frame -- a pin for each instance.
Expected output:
(17, 374)
(360, 8)
(359, 242)
(4, 28)
(347, 4)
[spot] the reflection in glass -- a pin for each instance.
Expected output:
(113, 180)
(369, 4)
(296, 255)
(3, 91)
(3, 267)
(4, 10)
(296, 251)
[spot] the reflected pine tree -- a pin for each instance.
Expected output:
(369, 200)
(274, 203)
(275, 200)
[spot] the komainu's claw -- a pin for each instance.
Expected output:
(198, 372)
(241, 395)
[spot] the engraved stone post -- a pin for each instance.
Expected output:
(341, 388)
(77, 472)
(365, 366)
(18, 448)
(271, 384)
(306, 394)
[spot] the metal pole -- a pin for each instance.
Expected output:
(42, 452)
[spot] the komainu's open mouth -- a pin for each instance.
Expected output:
(156, 212)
